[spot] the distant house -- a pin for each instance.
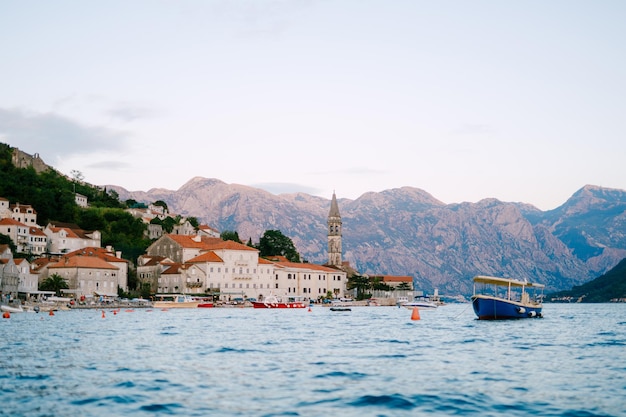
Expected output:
(9, 277)
(154, 231)
(27, 239)
(185, 228)
(149, 270)
(16, 231)
(394, 280)
(308, 280)
(81, 200)
(110, 256)
(37, 241)
(205, 230)
(87, 275)
(24, 213)
(5, 210)
(28, 282)
(65, 238)
(186, 278)
(181, 248)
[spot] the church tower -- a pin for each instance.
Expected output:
(334, 234)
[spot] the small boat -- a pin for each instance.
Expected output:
(204, 302)
(340, 309)
(505, 298)
(421, 302)
(174, 301)
(11, 309)
(272, 301)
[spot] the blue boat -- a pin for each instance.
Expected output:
(504, 298)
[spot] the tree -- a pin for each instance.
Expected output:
(378, 284)
(362, 284)
(161, 203)
(54, 282)
(77, 176)
(194, 222)
(273, 243)
(230, 235)
(404, 286)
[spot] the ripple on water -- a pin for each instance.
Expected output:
(375, 361)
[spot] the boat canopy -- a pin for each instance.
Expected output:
(505, 281)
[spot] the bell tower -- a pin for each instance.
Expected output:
(334, 234)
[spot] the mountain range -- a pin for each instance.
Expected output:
(406, 231)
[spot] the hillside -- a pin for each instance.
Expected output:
(406, 231)
(606, 288)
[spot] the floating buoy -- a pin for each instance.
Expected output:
(309, 309)
(102, 313)
(415, 315)
(6, 315)
(51, 313)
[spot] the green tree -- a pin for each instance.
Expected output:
(362, 283)
(161, 203)
(6, 240)
(273, 243)
(194, 222)
(54, 282)
(230, 235)
(168, 224)
(377, 283)
(404, 286)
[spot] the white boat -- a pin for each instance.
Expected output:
(174, 301)
(11, 309)
(422, 301)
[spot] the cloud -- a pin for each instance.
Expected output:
(53, 136)
(128, 113)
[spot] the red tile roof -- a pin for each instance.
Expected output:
(209, 256)
(88, 262)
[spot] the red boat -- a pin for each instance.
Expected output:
(204, 302)
(272, 301)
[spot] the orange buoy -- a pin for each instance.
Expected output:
(415, 315)
(6, 315)
(102, 313)
(309, 309)
(51, 313)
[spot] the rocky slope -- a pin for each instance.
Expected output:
(406, 231)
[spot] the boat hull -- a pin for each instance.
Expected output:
(421, 306)
(492, 308)
(261, 304)
(174, 304)
(11, 309)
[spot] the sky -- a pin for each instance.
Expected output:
(523, 101)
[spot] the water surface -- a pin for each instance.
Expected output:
(371, 361)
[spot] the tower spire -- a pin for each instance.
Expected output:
(334, 233)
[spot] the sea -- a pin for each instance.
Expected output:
(370, 361)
